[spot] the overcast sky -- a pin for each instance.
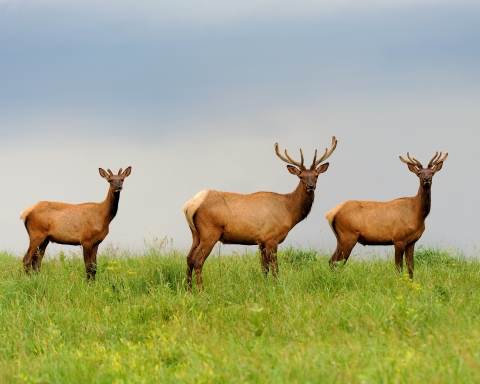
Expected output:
(193, 95)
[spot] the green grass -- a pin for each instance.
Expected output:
(363, 322)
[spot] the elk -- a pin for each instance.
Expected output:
(73, 224)
(262, 218)
(399, 222)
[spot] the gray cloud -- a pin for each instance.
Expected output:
(198, 104)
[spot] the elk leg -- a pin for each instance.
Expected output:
(93, 261)
(409, 258)
(87, 258)
(264, 259)
(38, 256)
(399, 251)
(271, 251)
(33, 248)
(199, 256)
(343, 250)
(195, 243)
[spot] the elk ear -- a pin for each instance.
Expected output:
(103, 173)
(127, 172)
(437, 167)
(322, 168)
(413, 169)
(293, 170)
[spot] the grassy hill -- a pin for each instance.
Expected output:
(362, 322)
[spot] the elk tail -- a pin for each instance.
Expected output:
(26, 212)
(191, 206)
(330, 215)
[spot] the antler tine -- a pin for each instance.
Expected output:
(120, 171)
(314, 159)
(414, 161)
(402, 159)
(327, 153)
(110, 172)
(288, 160)
(437, 159)
(432, 161)
(293, 161)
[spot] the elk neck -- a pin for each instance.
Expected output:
(110, 204)
(299, 203)
(424, 200)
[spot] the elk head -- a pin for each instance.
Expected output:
(307, 176)
(425, 174)
(116, 181)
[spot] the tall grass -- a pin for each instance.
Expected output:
(362, 322)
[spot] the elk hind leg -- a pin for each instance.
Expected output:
(199, 255)
(195, 243)
(36, 242)
(38, 256)
(345, 244)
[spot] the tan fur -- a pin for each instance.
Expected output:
(192, 205)
(331, 214)
(73, 224)
(25, 213)
(399, 222)
(261, 218)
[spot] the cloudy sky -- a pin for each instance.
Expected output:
(193, 95)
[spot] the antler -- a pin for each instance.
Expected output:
(326, 155)
(413, 161)
(288, 159)
(110, 172)
(120, 171)
(437, 159)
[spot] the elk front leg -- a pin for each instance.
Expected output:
(271, 251)
(409, 250)
(93, 261)
(264, 259)
(399, 251)
(87, 258)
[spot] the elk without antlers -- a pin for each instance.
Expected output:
(399, 222)
(262, 218)
(74, 224)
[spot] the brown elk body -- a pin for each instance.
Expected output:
(399, 222)
(262, 218)
(73, 224)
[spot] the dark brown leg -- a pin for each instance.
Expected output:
(36, 242)
(198, 257)
(343, 250)
(87, 258)
(264, 259)
(409, 258)
(195, 243)
(93, 261)
(271, 255)
(38, 256)
(399, 251)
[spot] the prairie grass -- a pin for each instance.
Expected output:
(360, 323)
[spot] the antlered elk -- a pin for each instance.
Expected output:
(262, 218)
(399, 222)
(73, 224)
